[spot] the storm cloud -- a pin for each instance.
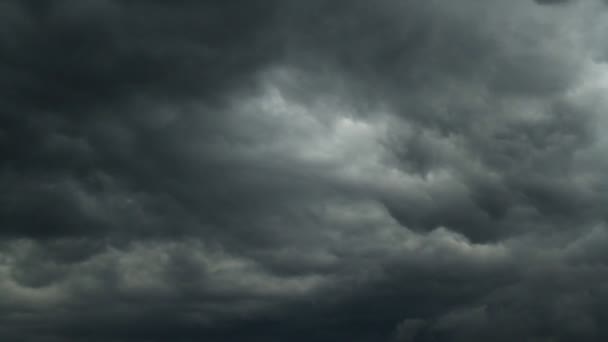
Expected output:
(348, 170)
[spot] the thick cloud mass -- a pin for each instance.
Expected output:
(349, 170)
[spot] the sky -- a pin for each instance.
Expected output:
(320, 170)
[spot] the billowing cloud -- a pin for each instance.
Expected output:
(315, 171)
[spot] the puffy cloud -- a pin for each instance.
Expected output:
(284, 170)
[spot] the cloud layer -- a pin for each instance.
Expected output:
(270, 170)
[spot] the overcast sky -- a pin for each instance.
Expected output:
(303, 170)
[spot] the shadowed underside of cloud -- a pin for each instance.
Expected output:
(316, 171)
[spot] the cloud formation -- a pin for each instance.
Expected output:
(303, 171)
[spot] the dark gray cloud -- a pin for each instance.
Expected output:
(552, 2)
(286, 170)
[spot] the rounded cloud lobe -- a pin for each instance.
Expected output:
(320, 171)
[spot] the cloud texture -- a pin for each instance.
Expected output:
(400, 171)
